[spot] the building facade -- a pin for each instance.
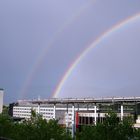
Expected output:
(72, 113)
(1, 99)
(78, 111)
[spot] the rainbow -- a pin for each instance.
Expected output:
(41, 57)
(100, 38)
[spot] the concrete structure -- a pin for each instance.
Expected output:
(72, 113)
(1, 99)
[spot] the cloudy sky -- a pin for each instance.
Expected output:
(42, 45)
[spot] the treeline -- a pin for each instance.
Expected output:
(35, 129)
(39, 129)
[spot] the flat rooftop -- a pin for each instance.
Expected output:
(82, 100)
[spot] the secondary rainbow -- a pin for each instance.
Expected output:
(100, 38)
(40, 59)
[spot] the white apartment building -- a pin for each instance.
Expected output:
(72, 113)
(1, 99)
(76, 111)
(59, 112)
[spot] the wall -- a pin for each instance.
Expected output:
(1, 99)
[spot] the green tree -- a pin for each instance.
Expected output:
(35, 129)
(5, 110)
(110, 129)
(5, 126)
(39, 129)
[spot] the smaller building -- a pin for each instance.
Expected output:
(1, 99)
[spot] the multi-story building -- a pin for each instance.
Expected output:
(1, 99)
(78, 111)
(72, 113)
